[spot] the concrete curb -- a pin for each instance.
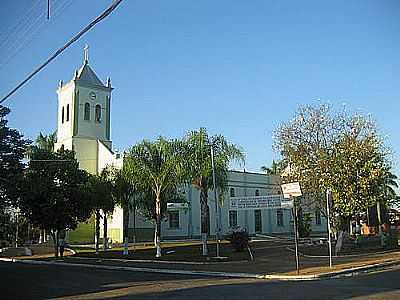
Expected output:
(134, 269)
(335, 274)
(167, 262)
(342, 256)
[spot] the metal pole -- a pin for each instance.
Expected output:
(329, 227)
(216, 200)
(296, 236)
(134, 223)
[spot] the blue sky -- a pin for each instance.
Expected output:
(238, 68)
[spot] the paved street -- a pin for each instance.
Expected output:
(20, 281)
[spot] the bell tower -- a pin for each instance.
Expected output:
(84, 115)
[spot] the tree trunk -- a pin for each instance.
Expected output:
(134, 224)
(339, 242)
(97, 233)
(41, 237)
(54, 235)
(204, 220)
(105, 238)
(378, 211)
(158, 227)
(125, 228)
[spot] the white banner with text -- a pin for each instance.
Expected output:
(260, 202)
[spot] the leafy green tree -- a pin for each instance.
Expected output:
(198, 158)
(332, 150)
(157, 166)
(12, 151)
(100, 188)
(124, 194)
(54, 194)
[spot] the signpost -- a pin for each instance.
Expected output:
(328, 194)
(291, 190)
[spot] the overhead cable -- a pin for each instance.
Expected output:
(102, 16)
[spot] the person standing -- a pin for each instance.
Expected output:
(61, 242)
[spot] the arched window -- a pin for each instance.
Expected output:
(232, 192)
(87, 112)
(257, 193)
(62, 115)
(98, 113)
(67, 118)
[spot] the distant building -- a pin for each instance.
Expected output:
(183, 221)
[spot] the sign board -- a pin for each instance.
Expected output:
(286, 203)
(177, 205)
(291, 189)
(259, 202)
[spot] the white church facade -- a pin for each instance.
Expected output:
(84, 125)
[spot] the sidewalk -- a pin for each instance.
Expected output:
(272, 261)
(129, 266)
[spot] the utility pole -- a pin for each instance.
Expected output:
(48, 9)
(216, 200)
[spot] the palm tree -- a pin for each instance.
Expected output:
(157, 166)
(46, 142)
(199, 158)
(275, 169)
(389, 195)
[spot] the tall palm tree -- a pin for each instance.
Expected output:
(157, 166)
(199, 158)
(46, 142)
(275, 169)
(389, 196)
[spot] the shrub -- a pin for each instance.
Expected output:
(239, 239)
(305, 225)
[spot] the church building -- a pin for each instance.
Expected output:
(84, 121)
(83, 125)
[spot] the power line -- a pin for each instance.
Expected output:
(27, 38)
(21, 23)
(102, 16)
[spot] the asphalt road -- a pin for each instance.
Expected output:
(22, 281)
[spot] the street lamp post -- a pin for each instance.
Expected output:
(216, 200)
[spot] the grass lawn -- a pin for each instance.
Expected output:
(170, 252)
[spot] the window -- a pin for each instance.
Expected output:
(279, 217)
(232, 191)
(232, 218)
(67, 119)
(257, 221)
(87, 112)
(62, 115)
(317, 217)
(98, 113)
(174, 219)
(257, 193)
